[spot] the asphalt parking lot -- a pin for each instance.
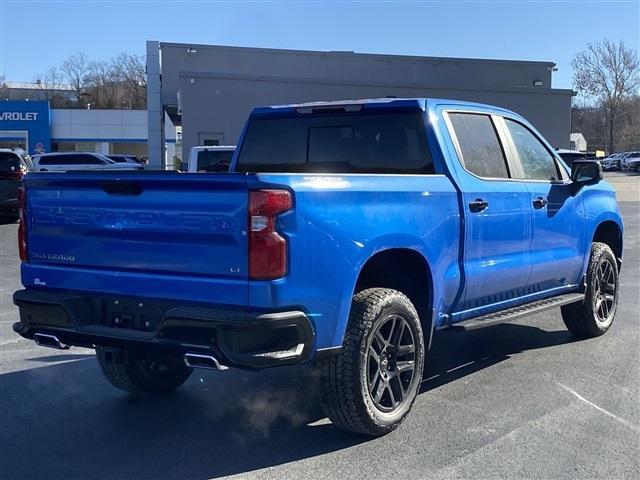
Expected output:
(517, 400)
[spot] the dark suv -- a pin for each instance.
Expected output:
(12, 169)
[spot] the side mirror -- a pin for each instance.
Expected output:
(586, 172)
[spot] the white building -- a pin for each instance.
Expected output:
(34, 127)
(578, 142)
(106, 131)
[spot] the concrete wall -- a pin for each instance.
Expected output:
(218, 86)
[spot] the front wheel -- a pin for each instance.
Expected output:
(370, 386)
(141, 376)
(595, 314)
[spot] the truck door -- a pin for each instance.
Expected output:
(497, 216)
(557, 242)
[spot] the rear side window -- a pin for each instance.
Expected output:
(58, 160)
(74, 159)
(337, 143)
(47, 161)
(9, 162)
(537, 163)
(481, 152)
(88, 160)
(213, 161)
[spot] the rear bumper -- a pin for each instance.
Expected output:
(239, 338)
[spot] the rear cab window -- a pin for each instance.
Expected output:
(214, 160)
(367, 142)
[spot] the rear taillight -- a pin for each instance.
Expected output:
(267, 249)
(22, 228)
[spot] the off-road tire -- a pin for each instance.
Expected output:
(141, 376)
(584, 319)
(344, 382)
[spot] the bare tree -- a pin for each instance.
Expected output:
(75, 70)
(131, 73)
(609, 72)
(102, 84)
(116, 83)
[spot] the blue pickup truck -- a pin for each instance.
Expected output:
(346, 234)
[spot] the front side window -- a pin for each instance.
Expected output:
(46, 161)
(89, 160)
(480, 148)
(537, 163)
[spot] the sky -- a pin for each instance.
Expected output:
(36, 35)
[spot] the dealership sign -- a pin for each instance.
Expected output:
(19, 116)
(28, 121)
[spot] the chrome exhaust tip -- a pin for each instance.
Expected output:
(197, 360)
(50, 341)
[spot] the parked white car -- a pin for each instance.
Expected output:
(210, 159)
(64, 161)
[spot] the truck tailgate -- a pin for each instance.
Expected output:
(139, 222)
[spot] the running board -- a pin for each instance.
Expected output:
(513, 313)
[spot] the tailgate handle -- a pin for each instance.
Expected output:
(122, 188)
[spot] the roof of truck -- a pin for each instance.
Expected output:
(386, 102)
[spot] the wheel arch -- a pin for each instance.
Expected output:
(407, 271)
(610, 233)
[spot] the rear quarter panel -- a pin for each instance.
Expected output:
(340, 221)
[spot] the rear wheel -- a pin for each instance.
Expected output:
(142, 376)
(370, 386)
(594, 316)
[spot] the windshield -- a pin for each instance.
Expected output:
(337, 143)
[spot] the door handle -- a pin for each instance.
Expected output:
(478, 205)
(539, 202)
